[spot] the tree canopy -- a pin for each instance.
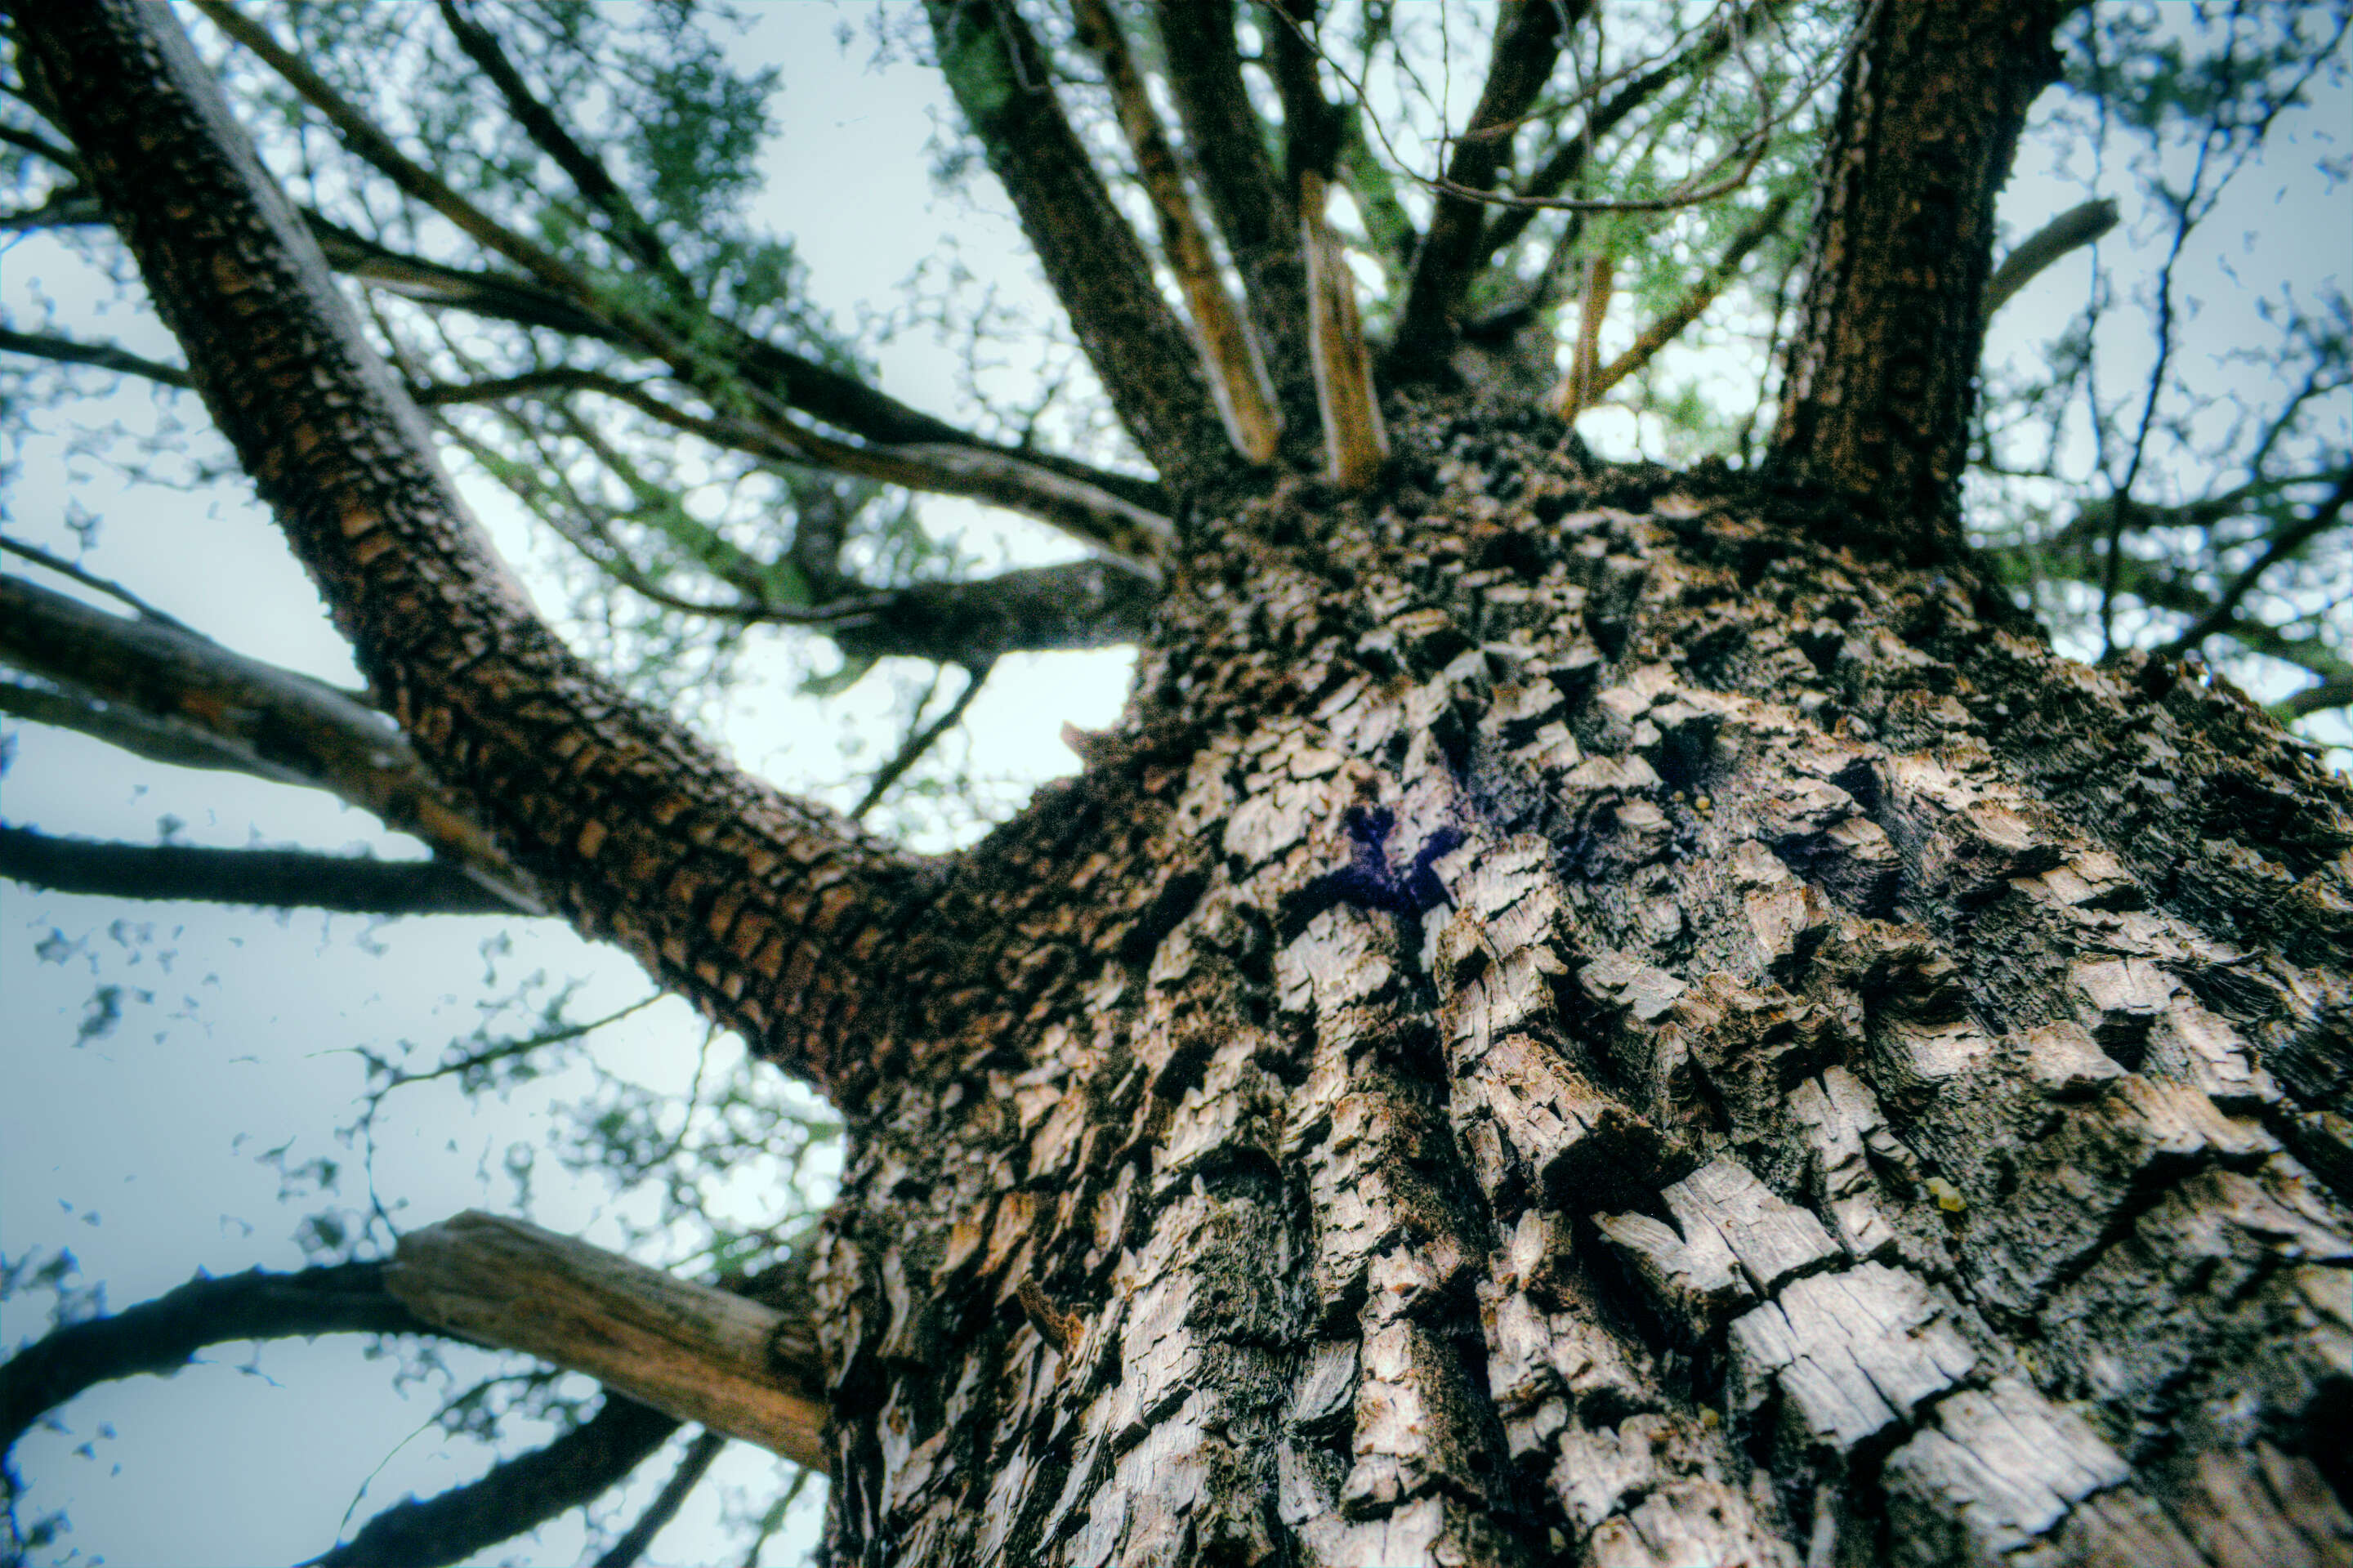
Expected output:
(550, 216)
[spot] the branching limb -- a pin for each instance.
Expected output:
(1092, 259)
(164, 1335)
(103, 356)
(164, 693)
(515, 1498)
(276, 878)
(1236, 376)
(1032, 609)
(1528, 39)
(1253, 207)
(2069, 232)
(752, 904)
(1882, 374)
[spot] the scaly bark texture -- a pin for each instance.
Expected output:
(1882, 374)
(1579, 1022)
(763, 910)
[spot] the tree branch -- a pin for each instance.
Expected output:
(1882, 372)
(164, 1335)
(515, 1498)
(766, 911)
(1528, 39)
(1236, 377)
(1355, 441)
(104, 355)
(277, 878)
(1092, 259)
(2070, 231)
(175, 697)
(2279, 547)
(693, 1467)
(1032, 609)
(696, 1351)
(1253, 208)
(1694, 302)
(919, 741)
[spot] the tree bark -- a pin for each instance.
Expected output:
(1581, 1021)
(1882, 374)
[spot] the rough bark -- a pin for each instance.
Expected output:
(765, 911)
(1882, 373)
(1581, 1022)
(1092, 259)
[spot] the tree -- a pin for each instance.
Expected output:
(1587, 1012)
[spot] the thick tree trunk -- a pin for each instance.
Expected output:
(1579, 1024)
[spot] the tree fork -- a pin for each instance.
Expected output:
(763, 910)
(1882, 372)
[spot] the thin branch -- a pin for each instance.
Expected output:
(103, 356)
(919, 741)
(89, 579)
(1581, 388)
(2070, 231)
(2281, 545)
(164, 1335)
(692, 1466)
(1236, 376)
(275, 878)
(515, 1498)
(1694, 302)
(1092, 259)
(198, 699)
(1529, 35)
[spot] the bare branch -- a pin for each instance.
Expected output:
(1528, 39)
(1236, 376)
(2070, 231)
(275, 878)
(1091, 257)
(1254, 209)
(919, 741)
(2336, 693)
(1355, 441)
(1693, 304)
(1580, 388)
(766, 910)
(2279, 547)
(515, 1498)
(692, 1466)
(103, 356)
(698, 1352)
(165, 1334)
(174, 696)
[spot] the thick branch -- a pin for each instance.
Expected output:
(2062, 236)
(1527, 44)
(278, 878)
(1236, 377)
(765, 910)
(103, 356)
(163, 692)
(1882, 372)
(516, 1497)
(164, 1335)
(1253, 208)
(700, 1353)
(1091, 257)
(1355, 441)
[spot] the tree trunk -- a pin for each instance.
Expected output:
(1577, 1022)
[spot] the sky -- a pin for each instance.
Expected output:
(153, 1146)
